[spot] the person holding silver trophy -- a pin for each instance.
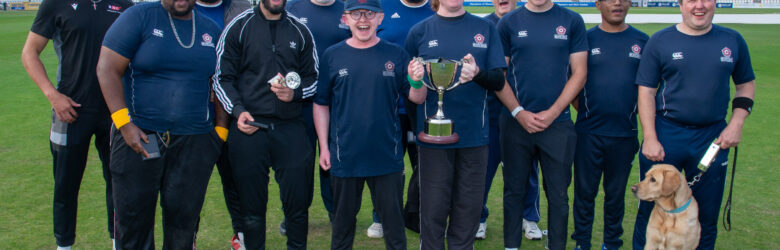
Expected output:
(266, 69)
(452, 118)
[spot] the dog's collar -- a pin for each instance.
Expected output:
(679, 209)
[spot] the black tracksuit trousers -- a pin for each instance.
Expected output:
(452, 186)
(554, 148)
(180, 177)
(387, 196)
(285, 148)
(69, 144)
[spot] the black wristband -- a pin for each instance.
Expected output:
(742, 103)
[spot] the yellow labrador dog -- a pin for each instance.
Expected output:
(674, 222)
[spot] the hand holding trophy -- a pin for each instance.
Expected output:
(292, 80)
(441, 75)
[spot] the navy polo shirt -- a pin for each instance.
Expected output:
(492, 18)
(607, 104)
(215, 13)
(399, 18)
(362, 88)
(452, 38)
(692, 73)
(324, 22)
(494, 105)
(166, 86)
(539, 46)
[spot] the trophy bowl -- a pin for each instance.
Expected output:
(441, 74)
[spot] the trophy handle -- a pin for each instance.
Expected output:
(458, 83)
(428, 69)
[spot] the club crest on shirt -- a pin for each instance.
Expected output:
(560, 33)
(74, 6)
(157, 33)
(595, 51)
(522, 33)
(635, 52)
(479, 41)
(433, 43)
(206, 40)
(114, 9)
(726, 55)
(389, 67)
(677, 56)
(343, 72)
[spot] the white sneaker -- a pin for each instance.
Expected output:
(375, 231)
(481, 231)
(531, 230)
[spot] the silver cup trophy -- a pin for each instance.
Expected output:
(292, 80)
(441, 74)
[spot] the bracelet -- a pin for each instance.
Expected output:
(742, 103)
(413, 83)
(517, 110)
(120, 117)
(222, 132)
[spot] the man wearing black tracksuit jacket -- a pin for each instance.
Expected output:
(257, 45)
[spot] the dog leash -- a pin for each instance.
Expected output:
(727, 207)
(708, 157)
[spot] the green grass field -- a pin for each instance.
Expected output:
(26, 173)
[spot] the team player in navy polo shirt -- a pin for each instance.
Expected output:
(606, 123)
(323, 18)
(164, 142)
(452, 176)
(78, 109)
(531, 206)
(691, 63)
(401, 16)
(258, 46)
(545, 45)
(358, 99)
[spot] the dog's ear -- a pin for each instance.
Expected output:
(671, 183)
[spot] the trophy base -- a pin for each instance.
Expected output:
(450, 139)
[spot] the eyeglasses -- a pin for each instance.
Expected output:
(355, 15)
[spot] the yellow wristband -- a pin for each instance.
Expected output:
(222, 132)
(120, 117)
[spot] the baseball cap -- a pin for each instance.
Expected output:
(372, 5)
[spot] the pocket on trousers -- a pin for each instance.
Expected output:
(58, 134)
